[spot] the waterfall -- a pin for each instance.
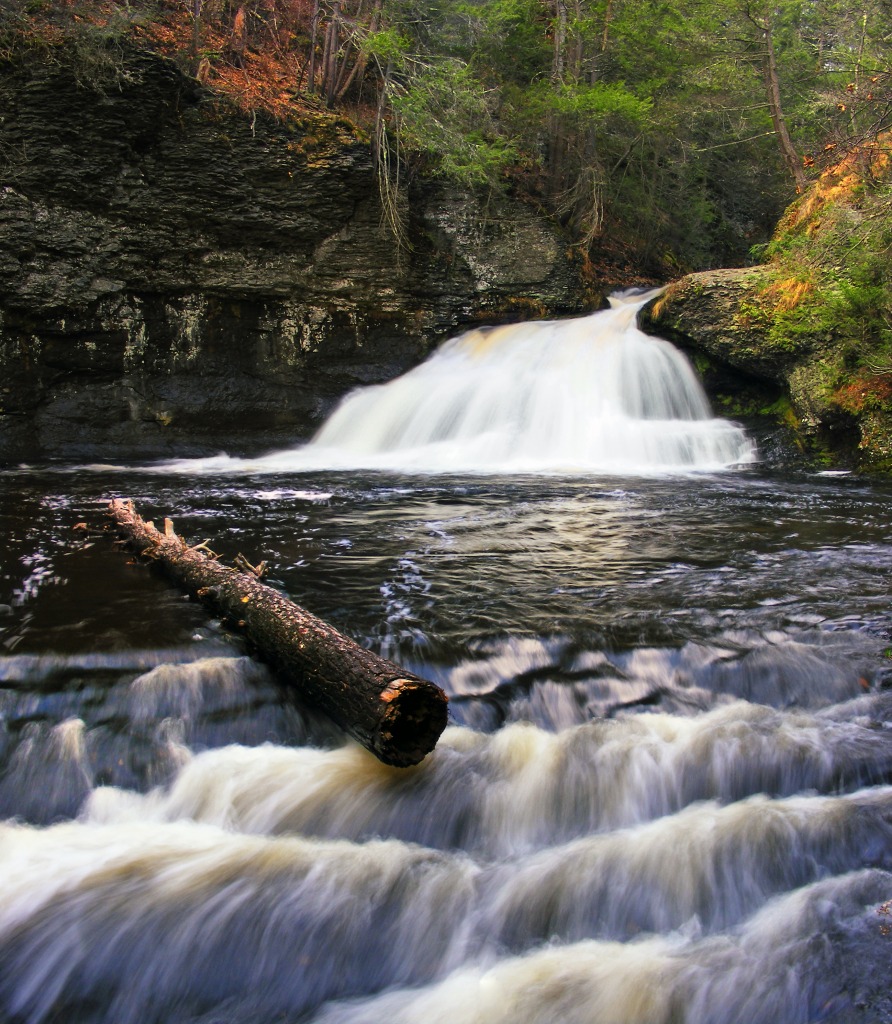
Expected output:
(588, 394)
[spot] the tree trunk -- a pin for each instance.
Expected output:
(330, 57)
(772, 86)
(556, 139)
(605, 36)
(393, 713)
(196, 27)
(311, 59)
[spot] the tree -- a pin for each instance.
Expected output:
(674, 133)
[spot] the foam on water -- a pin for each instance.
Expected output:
(522, 788)
(156, 922)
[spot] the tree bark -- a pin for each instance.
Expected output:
(395, 714)
(359, 65)
(557, 144)
(605, 36)
(772, 87)
(311, 59)
(330, 56)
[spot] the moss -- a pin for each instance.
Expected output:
(782, 410)
(828, 276)
(678, 291)
(826, 299)
(702, 363)
(736, 407)
(876, 440)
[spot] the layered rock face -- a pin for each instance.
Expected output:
(717, 313)
(177, 276)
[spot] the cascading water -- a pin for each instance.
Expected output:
(665, 795)
(590, 394)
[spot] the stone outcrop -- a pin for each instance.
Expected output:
(179, 276)
(718, 313)
(707, 311)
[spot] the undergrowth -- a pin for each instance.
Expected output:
(828, 285)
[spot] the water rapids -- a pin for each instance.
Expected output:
(665, 795)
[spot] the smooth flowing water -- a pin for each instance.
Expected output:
(590, 394)
(665, 795)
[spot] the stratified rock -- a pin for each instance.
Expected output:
(179, 276)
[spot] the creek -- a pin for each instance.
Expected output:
(664, 795)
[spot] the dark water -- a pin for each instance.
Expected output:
(665, 795)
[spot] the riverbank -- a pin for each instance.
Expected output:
(807, 333)
(175, 271)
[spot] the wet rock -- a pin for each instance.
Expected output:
(710, 311)
(717, 314)
(178, 276)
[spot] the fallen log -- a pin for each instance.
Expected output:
(395, 714)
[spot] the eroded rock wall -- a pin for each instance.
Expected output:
(178, 276)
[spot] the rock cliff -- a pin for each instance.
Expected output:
(726, 316)
(178, 276)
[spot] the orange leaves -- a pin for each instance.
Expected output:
(252, 51)
(264, 82)
(252, 70)
(839, 183)
(865, 391)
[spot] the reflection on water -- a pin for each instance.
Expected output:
(665, 795)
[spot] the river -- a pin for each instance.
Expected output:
(663, 798)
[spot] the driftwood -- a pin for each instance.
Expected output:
(396, 715)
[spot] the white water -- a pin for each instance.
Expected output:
(619, 872)
(590, 394)
(665, 796)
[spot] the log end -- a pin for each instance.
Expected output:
(416, 714)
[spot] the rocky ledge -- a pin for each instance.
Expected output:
(719, 317)
(177, 276)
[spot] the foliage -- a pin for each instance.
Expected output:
(865, 391)
(444, 112)
(829, 285)
(672, 136)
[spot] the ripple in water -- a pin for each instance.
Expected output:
(666, 794)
